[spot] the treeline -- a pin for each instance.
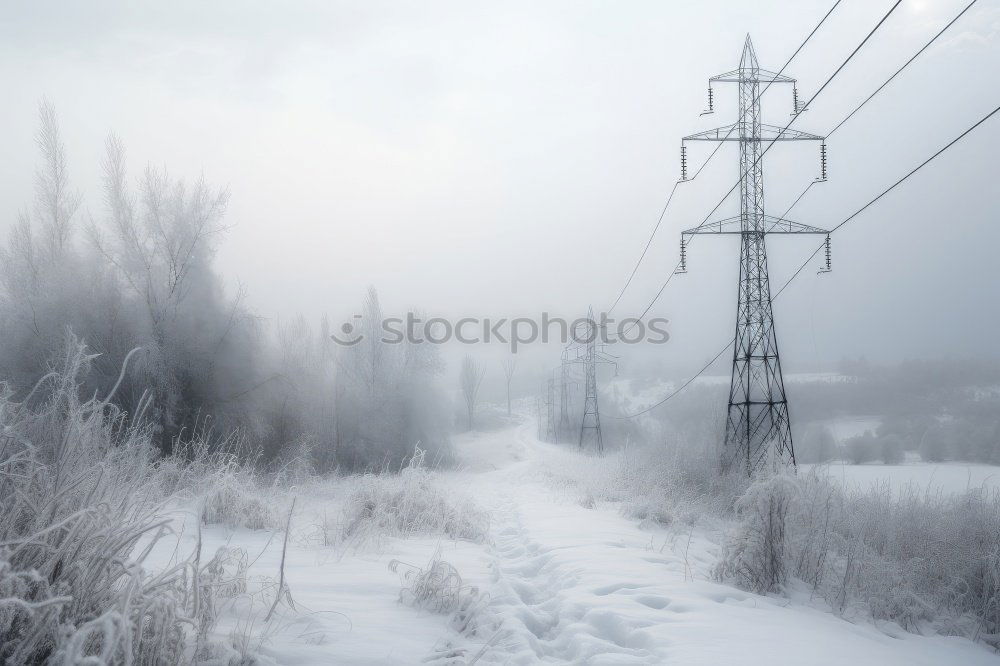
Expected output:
(937, 410)
(941, 410)
(938, 387)
(969, 438)
(135, 281)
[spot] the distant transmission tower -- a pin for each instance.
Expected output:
(592, 354)
(550, 412)
(591, 427)
(538, 413)
(757, 425)
(564, 380)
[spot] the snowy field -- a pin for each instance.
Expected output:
(563, 579)
(933, 477)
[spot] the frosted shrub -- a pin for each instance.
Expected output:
(439, 588)
(675, 482)
(235, 499)
(223, 577)
(412, 502)
(917, 558)
(72, 484)
(756, 558)
(81, 512)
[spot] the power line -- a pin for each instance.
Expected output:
(659, 221)
(904, 66)
(802, 267)
(811, 100)
(771, 144)
(878, 90)
(682, 386)
(918, 168)
(649, 242)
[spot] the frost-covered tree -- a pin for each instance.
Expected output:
(470, 379)
(891, 449)
(509, 365)
(861, 449)
(815, 445)
(141, 277)
(388, 400)
(48, 282)
(198, 345)
(934, 444)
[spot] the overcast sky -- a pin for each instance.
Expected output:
(484, 158)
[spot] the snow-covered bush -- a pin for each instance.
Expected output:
(756, 557)
(80, 515)
(439, 588)
(236, 498)
(680, 480)
(408, 503)
(911, 556)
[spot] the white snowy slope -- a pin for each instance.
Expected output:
(347, 608)
(583, 586)
(568, 585)
(949, 477)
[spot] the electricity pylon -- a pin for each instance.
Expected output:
(591, 426)
(550, 412)
(757, 424)
(538, 412)
(564, 391)
(591, 354)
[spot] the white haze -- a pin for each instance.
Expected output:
(192, 471)
(501, 160)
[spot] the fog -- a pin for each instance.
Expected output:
(484, 160)
(228, 231)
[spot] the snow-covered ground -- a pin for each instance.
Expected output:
(934, 477)
(569, 582)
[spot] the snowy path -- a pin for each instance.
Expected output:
(576, 585)
(568, 584)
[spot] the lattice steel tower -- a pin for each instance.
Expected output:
(757, 424)
(550, 413)
(564, 368)
(591, 352)
(590, 429)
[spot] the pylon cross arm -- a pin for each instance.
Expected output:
(767, 133)
(750, 75)
(772, 225)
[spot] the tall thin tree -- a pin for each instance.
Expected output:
(471, 378)
(509, 365)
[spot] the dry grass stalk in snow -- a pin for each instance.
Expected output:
(409, 503)
(81, 513)
(439, 588)
(235, 499)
